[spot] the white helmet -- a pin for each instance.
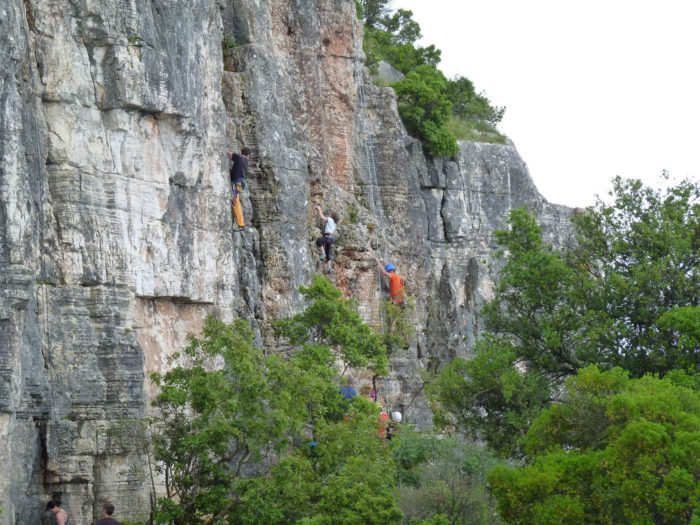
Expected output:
(396, 417)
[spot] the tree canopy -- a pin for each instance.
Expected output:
(624, 294)
(614, 450)
(233, 431)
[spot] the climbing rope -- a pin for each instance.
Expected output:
(375, 196)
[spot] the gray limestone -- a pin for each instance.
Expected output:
(115, 217)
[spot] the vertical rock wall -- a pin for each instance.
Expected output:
(115, 236)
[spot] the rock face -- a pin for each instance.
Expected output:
(115, 236)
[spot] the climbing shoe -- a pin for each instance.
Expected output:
(327, 270)
(238, 228)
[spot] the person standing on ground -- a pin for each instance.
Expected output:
(56, 510)
(325, 242)
(107, 512)
(238, 183)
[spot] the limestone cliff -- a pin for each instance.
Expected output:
(115, 236)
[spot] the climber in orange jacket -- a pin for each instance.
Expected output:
(396, 283)
(396, 287)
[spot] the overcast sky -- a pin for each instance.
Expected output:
(592, 89)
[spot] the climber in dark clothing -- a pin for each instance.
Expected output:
(238, 183)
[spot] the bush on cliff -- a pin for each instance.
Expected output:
(392, 37)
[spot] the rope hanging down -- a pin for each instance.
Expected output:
(374, 193)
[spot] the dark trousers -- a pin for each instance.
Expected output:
(325, 242)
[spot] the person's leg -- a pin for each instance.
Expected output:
(327, 247)
(237, 210)
(328, 242)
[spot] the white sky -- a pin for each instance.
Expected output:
(592, 89)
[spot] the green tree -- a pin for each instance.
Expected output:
(470, 105)
(443, 476)
(372, 12)
(425, 109)
(625, 295)
(348, 478)
(331, 328)
(642, 253)
(219, 415)
(233, 427)
(615, 450)
(391, 37)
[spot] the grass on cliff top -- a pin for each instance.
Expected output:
(475, 131)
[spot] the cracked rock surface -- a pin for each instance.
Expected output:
(115, 217)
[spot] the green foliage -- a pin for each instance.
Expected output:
(228, 44)
(473, 116)
(214, 421)
(464, 129)
(425, 109)
(615, 450)
(626, 295)
(372, 12)
(469, 104)
(642, 253)
(488, 396)
(231, 435)
(442, 476)
(399, 329)
(348, 480)
(425, 96)
(332, 326)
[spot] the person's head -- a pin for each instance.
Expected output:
(334, 214)
(390, 268)
(245, 152)
(108, 509)
(53, 506)
(349, 381)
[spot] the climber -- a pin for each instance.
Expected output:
(396, 283)
(56, 510)
(325, 242)
(393, 425)
(238, 183)
(347, 391)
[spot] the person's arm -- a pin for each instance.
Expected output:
(230, 154)
(381, 267)
(60, 518)
(320, 213)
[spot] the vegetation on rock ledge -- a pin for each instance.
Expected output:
(436, 110)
